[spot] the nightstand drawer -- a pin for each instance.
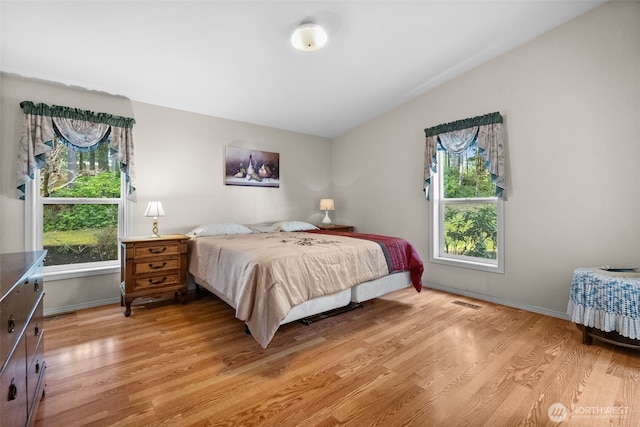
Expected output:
(157, 281)
(153, 266)
(156, 249)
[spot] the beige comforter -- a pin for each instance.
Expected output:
(264, 275)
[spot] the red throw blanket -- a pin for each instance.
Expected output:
(399, 253)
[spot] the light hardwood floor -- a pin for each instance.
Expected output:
(406, 359)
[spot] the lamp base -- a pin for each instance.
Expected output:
(326, 219)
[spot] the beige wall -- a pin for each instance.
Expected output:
(571, 103)
(179, 160)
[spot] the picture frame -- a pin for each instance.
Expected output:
(249, 167)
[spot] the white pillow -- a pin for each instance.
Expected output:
(217, 229)
(262, 227)
(294, 226)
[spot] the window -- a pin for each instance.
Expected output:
(464, 169)
(77, 209)
(76, 173)
(467, 216)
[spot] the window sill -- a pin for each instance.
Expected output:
(64, 272)
(472, 265)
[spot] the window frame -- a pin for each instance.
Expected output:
(437, 253)
(34, 228)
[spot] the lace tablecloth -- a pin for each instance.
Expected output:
(608, 303)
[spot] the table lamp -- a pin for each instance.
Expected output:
(155, 210)
(326, 205)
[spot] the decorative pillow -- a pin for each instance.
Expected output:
(218, 229)
(294, 226)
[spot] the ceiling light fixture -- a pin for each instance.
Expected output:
(309, 37)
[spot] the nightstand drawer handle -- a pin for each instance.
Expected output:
(157, 282)
(157, 266)
(157, 251)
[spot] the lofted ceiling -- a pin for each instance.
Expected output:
(233, 59)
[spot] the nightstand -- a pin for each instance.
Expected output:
(335, 227)
(152, 266)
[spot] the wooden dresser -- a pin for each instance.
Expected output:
(21, 337)
(152, 266)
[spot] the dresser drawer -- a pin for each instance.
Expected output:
(145, 250)
(13, 315)
(34, 331)
(35, 373)
(149, 283)
(13, 389)
(34, 287)
(153, 266)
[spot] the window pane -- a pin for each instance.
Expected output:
(466, 175)
(69, 173)
(470, 229)
(79, 233)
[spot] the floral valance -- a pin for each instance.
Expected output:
(81, 130)
(456, 137)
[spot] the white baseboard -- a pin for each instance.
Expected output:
(455, 291)
(74, 307)
(482, 297)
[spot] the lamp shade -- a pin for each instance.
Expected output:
(154, 209)
(326, 205)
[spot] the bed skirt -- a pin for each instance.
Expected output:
(359, 293)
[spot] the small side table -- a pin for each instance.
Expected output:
(152, 266)
(335, 227)
(606, 306)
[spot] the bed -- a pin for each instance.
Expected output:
(273, 274)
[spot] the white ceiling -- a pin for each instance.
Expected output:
(233, 59)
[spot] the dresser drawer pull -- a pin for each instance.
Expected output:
(13, 390)
(12, 324)
(38, 367)
(157, 251)
(156, 266)
(36, 287)
(157, 282)
(36, 331)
